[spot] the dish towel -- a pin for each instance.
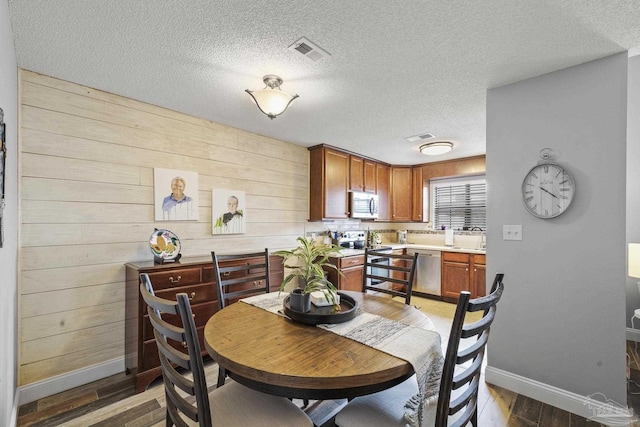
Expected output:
(418, 346)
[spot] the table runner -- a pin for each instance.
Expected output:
(418, 346)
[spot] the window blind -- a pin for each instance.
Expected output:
(460, 206)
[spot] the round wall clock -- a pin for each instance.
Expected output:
(548, 189)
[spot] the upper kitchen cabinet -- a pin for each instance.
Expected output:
(417, 201)
(362, 176)
(383, 180)
(401, 193)
(328, 184)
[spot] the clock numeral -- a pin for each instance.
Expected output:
(529, 198)
(562, 196)
(528, 192)
(534, 175)
(564, 182)
(546, 212)
(546, 169)
(559, 172)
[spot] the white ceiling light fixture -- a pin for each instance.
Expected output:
(271, 100)
(436, 148)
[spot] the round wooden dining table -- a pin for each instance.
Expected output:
(273, 354)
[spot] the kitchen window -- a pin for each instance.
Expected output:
(459, 203)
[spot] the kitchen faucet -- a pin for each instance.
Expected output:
(482, 236)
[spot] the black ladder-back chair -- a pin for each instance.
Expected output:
(182, 368)
(379, 271)
(468, 376)
(462, 403)
(237, 281)
(170, 357)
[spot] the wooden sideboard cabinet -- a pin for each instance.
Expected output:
(463, 272)
(193, 276)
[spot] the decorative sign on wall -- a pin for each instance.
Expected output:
(176, 194)
(227, 211)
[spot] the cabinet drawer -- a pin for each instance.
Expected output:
(455, 257)
(173, 278)
(201, 313)
(479, 259)
(197, 293)
(351, 261)
(150, 357)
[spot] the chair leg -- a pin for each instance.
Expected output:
(474, 417)
(222, 376)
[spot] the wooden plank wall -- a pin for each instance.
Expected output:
(87, 160)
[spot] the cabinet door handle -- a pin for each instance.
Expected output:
(184, 344)
(193, 294)
(226, 273)
(172, 280)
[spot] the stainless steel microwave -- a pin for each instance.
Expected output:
(364, 205)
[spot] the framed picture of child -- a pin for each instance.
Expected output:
(176, 194)
(227, 208)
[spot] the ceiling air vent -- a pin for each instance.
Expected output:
(309, 50)
(419, 137)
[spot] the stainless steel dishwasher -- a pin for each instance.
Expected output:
(427, 279)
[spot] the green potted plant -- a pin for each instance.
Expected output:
(310, 257)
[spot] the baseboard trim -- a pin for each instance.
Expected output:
(585, 406)
(57, 384)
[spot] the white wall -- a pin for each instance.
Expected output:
(8, 254)
(560, 326)
(633, 181)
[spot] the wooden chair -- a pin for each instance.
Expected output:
(238, 279)
(457, 398)
(389, 273)
(187, 398)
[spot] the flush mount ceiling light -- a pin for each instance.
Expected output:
(436, 148)
(271, 100)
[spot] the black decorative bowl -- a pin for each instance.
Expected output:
(326, 314)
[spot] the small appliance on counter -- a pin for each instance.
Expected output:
(402, 236)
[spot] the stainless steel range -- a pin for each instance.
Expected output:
(351, 239)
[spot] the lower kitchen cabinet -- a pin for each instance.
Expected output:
(193, 276)
(398, 274)
(353, 269)
(463, 272)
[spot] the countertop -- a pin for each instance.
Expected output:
(355, 252)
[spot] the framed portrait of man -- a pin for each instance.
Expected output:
(227, 211)
(176, 195)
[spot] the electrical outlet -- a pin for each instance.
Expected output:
(512, 232)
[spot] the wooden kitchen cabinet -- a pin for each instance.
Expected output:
(383, 184)
(401, 193)
(193, 276)
(353, 269)
(417, 189)
(478, 271)
(362, 174)
(398, 274)
(462, 272)
(328, 184)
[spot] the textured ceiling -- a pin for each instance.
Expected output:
(397, 68)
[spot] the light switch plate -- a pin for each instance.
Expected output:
(512, 232)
